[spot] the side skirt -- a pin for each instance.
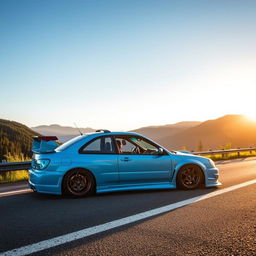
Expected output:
(136, 187)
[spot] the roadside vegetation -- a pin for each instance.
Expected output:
(7, 177)
(15, 146)
(229, 156)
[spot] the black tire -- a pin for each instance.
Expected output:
(189, 177)
(78, 183)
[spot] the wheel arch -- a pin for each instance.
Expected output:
(193, 162)
(81, 169)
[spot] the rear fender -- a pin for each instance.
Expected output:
(78, 168)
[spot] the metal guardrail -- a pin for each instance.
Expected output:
(16, 166)
(225, 151)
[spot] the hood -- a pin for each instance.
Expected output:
(184, 152)
(190, 155)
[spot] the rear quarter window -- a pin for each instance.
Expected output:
(69, 143)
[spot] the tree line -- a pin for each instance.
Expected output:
(15, 141)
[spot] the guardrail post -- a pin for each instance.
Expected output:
(238, 152)
(223, 154)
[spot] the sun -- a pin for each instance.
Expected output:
(251, 117)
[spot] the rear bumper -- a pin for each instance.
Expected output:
(48, 182)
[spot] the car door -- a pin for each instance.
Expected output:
(141, 163)
(100, 157)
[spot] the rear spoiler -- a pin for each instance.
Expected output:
(44, 144)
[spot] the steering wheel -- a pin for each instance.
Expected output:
(136, 150)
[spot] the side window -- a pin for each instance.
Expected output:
(124, 146)
(135, 145)
(102, 145)
(108, 145)
(93, 146)
(145, 145)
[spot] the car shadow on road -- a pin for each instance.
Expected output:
(139, 192)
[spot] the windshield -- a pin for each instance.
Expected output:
(69, 143)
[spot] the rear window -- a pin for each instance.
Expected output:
(69, 143)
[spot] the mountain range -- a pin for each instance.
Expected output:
(234, 130)
(230, 130)
(63, 133)
(162, 131)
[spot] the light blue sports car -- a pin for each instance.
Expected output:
(113, 161)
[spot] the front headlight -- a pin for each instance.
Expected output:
(41, 164)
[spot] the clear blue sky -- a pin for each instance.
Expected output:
(126, 64)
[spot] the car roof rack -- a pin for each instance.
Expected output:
(102, 130)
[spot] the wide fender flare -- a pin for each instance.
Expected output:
(77, 167)
(191, 161)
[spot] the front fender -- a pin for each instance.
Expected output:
(177, 167)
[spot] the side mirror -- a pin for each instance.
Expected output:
(160, 151)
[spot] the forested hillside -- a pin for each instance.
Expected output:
(15, 140)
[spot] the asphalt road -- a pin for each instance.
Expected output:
(221, 225)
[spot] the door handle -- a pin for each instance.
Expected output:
(126, 159)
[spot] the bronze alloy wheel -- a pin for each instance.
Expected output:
(189, 177)
(78, 183)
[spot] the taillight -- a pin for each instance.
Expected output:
(40, 164)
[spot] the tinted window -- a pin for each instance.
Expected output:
(93, 146)
(69, 143)
(102, 145)
(135, 145)
(144, 144)
(125, 146)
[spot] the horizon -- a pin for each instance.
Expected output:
(124, 65)
(248, 118)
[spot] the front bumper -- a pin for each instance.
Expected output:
(211, 177)
(48, 182)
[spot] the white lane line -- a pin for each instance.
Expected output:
(10, 193)
(46, 244)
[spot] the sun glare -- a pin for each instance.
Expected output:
(251, 117)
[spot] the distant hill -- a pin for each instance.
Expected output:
(236, 130)
(158, 132)
(15, 140)
(63, 133)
